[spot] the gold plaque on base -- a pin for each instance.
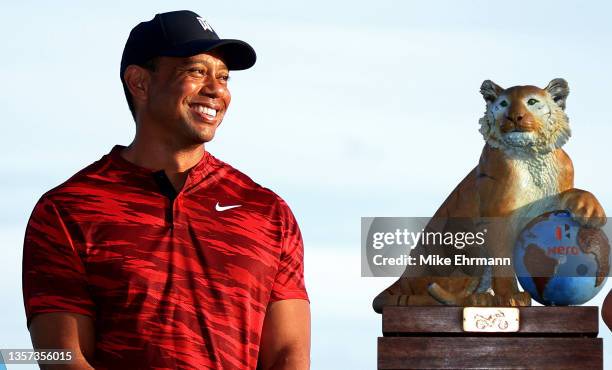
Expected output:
(491, 319)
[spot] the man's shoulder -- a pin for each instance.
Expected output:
(82, 184)
(229, 176)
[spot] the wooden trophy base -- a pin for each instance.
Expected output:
(433, 337)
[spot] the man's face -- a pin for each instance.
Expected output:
(188, 97)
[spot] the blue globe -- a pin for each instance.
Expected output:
(559, 262)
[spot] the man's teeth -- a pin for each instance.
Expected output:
(206, 110)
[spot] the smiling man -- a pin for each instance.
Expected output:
(159, 255)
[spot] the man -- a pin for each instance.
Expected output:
(159, 255)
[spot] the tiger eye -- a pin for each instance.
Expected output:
(532, 101)
(504, 103)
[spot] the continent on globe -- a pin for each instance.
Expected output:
(540, 266)
(595, 242)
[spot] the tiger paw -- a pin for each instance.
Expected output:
(585, 208)
(479, 300)
(519, 299)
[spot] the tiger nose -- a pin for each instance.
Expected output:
(515, 117)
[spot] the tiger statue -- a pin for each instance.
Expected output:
(522, 173)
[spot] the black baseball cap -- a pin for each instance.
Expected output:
(182, 33)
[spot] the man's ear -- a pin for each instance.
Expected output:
(490, 90)
(137, 81)
(558, 90)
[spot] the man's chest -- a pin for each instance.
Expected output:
(206, 248)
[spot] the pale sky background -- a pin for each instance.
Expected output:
(354, 108)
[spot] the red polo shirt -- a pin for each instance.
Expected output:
(173, 281)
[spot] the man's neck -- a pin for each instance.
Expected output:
(175, 162)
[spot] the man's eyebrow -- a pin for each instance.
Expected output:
(188, 62)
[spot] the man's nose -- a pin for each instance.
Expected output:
(213, 87)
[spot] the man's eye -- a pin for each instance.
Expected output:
(532, 101)
(225, 78)
(197, 70)
(504, 103)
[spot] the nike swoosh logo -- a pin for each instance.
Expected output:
(221, 208)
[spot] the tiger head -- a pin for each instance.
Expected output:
(525, 120)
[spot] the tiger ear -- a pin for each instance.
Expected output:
(558, 90)
(490, 90)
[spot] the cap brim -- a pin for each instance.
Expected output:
(236, 54)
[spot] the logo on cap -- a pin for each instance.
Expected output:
(205, 24)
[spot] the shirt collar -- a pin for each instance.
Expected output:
(194, 176)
